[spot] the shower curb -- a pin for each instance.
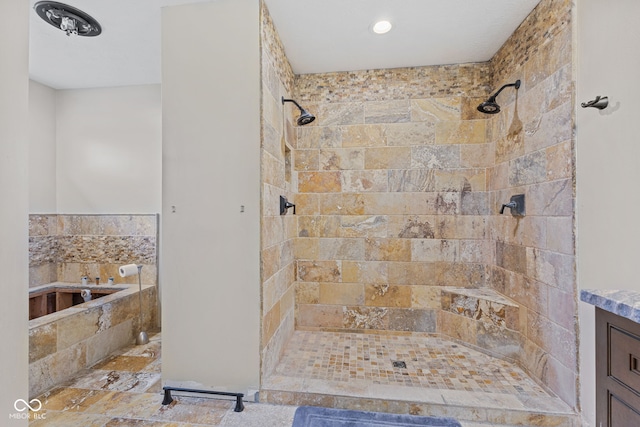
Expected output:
(478, 414)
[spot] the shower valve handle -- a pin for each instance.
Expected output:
(510, 205)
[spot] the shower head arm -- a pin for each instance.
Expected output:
(495, 95)
(302, 110)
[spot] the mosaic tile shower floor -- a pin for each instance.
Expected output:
(427, 361)
(125, 389)
(419, 373)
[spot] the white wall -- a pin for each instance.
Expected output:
(608, 163)
(211, 166)
(109, 150)
(14, 202)
(42, 148)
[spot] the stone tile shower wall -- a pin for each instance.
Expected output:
(533, 138)
(393, 202)
(278, 232)
(63, 248)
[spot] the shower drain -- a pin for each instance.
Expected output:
(399, 364)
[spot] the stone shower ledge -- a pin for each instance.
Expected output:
(623, 303)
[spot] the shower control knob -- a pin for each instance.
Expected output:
(516, 204)
(510, 205)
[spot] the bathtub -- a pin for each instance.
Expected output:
(65, 342)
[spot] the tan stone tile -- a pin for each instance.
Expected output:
(48, 372)
(318, 226)
(364, 271)
(425, 297)
(388, 158)
(412, 180)
(560, 235)
(364, 136)
(550, 129)
(434, 250)
(270, 261)
(342, 204)
(470, 108)
(460, 180)
(307, 203)
(396, 111)
(385, 295)
(341, 159)
(363, 226)
(42, 341)
(74, 329)
(124, 363)
(70, 399)
(307, 293)
(335, 114)
(319, 182)
(270, 323)
(471, 227)
(67, 419)
(306, 248)
(435, 156)
(413, 273)
(358, 181)
(461, 132)
(341, 293)
(366, 318)
(559, 161)
(319, 271)
(306, 160)
(477, 155)
(341, 249)
(552, 268)
(397, 203)
(128, 422)
(436, 109)
(457, 327)
(310, 137)
(287, 303)
(410, 134)
(386, 249)
(323, 316)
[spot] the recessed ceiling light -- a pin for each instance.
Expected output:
(382, 27)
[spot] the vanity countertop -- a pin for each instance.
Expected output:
(623, 303)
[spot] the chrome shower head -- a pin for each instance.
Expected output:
(490, 106)
(305, 117)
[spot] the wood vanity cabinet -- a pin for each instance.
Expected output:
(617, 371)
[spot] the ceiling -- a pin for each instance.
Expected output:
(318, 35)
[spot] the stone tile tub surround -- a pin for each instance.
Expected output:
(624, 303)
(65, 247)
(62, 344)
(400, 181)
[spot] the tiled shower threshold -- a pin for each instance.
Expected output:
(419, 374)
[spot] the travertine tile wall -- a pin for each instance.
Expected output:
(533, 136)
(393, 202)
(66, 247)
(278, 232)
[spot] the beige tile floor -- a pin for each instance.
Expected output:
(125, 389)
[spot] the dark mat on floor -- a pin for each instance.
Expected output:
(311, 416)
